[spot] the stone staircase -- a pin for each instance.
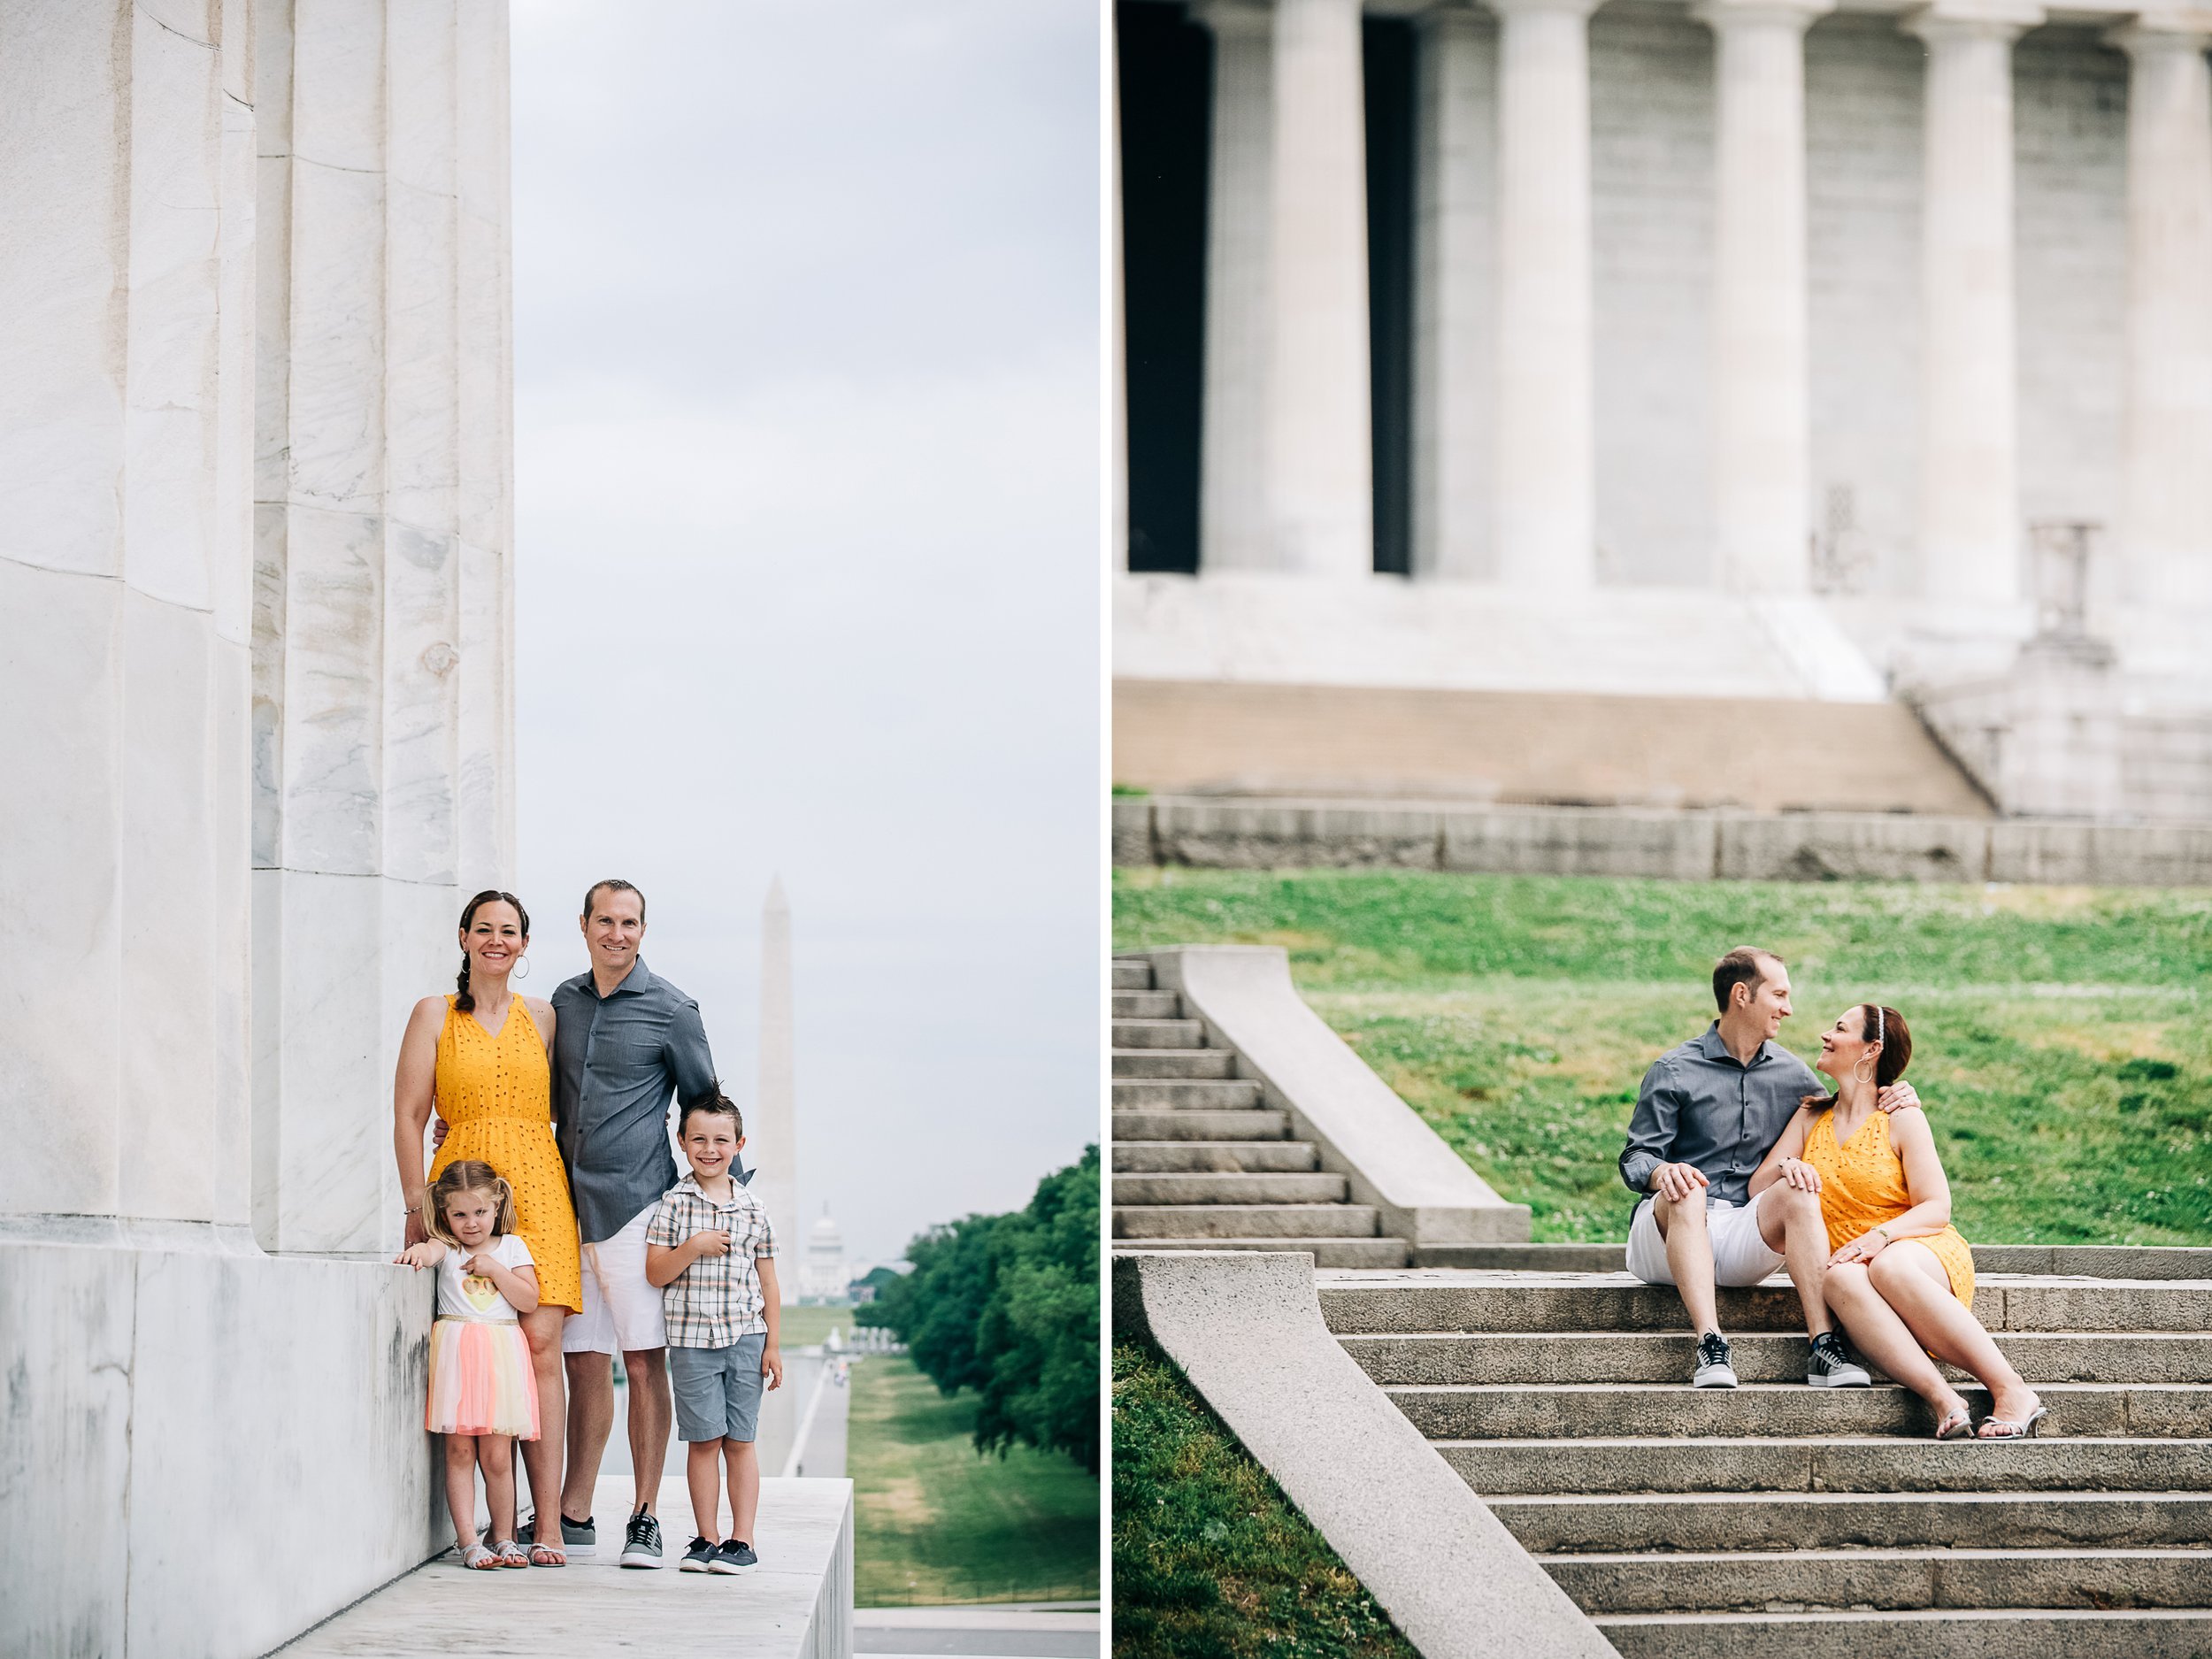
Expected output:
(1777, 1519)
(1200, 1162)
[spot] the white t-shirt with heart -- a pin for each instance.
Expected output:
(471, 1296)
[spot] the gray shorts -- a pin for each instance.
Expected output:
(717, 1389)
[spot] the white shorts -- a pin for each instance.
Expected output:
(1740, 1256)
(621, 1312)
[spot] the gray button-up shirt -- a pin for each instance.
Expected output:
(1699, 1105)
(617, 1061)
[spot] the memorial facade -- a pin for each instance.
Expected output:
(255, 458)
(1651, 349)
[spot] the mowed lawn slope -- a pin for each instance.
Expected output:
(2059, 1034)
(936, 1521)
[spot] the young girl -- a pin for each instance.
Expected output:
(482, 1395)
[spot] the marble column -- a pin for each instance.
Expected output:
(1454, 361)
(1545, 490)
(127, 234)
(1233, 530)
(1969, 494)
(1321, 460)
(1761, 395)
(382, 707)
(2166, 491)
(773, 1140)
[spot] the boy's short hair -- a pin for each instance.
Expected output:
(712, 1101)
(1746, 964)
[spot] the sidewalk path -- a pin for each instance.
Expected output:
(975, 1633)
(595, 1607)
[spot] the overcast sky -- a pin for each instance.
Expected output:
(806, 388)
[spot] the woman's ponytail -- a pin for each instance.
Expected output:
(466, 1001)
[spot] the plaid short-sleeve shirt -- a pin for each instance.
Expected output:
(718, 1298)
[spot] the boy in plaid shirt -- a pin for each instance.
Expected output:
(710, 1247)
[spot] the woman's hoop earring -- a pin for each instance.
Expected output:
(521, 970)
(1867, 1075)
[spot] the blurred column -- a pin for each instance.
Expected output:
(1321, 460)
(1547, 465)
(1453, 295)
(2166, 499)
(1762, 395)
(1233, 516)
(383, 701)
(127, 236)
(1969, 495)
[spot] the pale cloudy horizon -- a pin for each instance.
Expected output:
(806, 307)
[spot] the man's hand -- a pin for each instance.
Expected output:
(771, 1365)
(1896, 1097)
(1800, 1175)
(1675, 1182)
(439, 1130)
(711, 1242)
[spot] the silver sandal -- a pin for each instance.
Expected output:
(511, 1552)
(1961, 1421)
(476, 1558)
(2008, 1430)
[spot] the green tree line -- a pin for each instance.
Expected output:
(1008, 1306)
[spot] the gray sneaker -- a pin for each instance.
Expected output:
(1713, 1368)
(579, 1539)
(735, 1556)
(642, 1546)
(1828, 1366)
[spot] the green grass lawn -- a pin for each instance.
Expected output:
(2059, 1034)
(804, 1327)
(1209, 1557)
(938, 1521)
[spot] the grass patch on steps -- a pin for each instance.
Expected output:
(2060, 1037)
(1209, 1558)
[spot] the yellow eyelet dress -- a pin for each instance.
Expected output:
(1863, 1185)
(495, 1094)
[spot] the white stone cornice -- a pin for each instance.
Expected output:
(1570, 8)
(1800, 14)
(1234, 17)
(2177, 29)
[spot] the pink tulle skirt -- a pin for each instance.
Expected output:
(480, 1380)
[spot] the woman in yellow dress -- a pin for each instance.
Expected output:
(1902, 1278)
(480, 1058)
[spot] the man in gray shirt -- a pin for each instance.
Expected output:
(626, 1042)
(1707, 1115)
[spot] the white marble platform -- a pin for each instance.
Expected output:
(796, 1604)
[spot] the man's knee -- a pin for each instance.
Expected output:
(1785, 1209)
(1689, 1212)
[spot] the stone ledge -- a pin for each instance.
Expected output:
(1246, 1329)
(1392, 1160)
(1261, 833)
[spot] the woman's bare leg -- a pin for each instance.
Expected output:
(1918, 1290)
(1882, 1337)
(496, 1453)
(542, 1457)
(460, 1487)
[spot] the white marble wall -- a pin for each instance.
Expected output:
(382, 706)
(127, 227)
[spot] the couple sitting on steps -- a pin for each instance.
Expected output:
(1750, 1165)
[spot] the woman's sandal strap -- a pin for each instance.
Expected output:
(476, 1557)
(548, 1556)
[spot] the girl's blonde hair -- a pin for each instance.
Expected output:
(468, 1175)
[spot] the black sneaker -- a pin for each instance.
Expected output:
(735, 1557)
(1828, 1366)
(641, 1546)
(579, 1539)
(1713, 1368)
(699, 1557)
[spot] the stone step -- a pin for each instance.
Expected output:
(1156, 1157)
(1335, 1253)
(1946, 1634)
(1884, 1579)
(1573, 1356)
(1213, 1187)
(1563, 1524)
(1466, 1411)
(1476, 1301)
(1825, 1463)
(1173, 1061)
(2090, 1261)
(1146, 1005)
(1132, 976)
(1244, 1221)
(1169, 1124)
(1185, 1091)
(1159, 1033)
